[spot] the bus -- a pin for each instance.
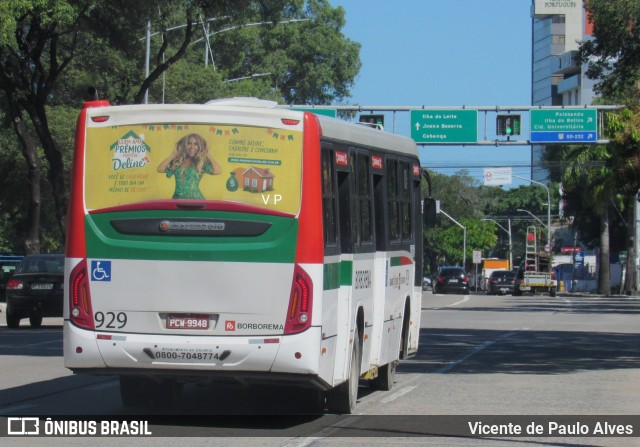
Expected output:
(240, 241)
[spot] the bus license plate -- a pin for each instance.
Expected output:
(188, 322)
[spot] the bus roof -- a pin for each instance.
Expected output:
(264, 112)
(338, 130)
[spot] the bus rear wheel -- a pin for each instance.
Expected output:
(310, 401)
(386, 377)
(35, 321)
(344, 397)
(13, 320)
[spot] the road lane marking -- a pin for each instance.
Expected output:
(398, 394)
(448, 367)
(464, 300)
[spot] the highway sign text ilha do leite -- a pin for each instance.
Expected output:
(444, 126)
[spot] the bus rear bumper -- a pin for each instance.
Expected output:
(243, 358)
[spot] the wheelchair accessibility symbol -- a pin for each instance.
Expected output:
(101, 270)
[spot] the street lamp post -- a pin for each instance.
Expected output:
(548, 207)
(532, 215)
(464, 239)
(510, 241)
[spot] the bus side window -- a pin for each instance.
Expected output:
(404, 199)
(329, 200)
(361, 213)
(363, 192)
(344, 211)
(354, 200)
(417, 230)
(379, 211)
(392, 200)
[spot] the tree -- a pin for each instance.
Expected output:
(613, 60)
(596, 188)
(50, 50)
(37, 40)
(14, 197)
(613, 55)
(624, 128)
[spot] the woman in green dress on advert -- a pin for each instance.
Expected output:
(188, 162)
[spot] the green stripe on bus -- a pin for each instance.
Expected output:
(337, 274)
(277, 244)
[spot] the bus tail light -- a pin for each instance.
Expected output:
(80, 311)
(299, 311)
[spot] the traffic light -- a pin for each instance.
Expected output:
(508, 125)
(375, 121)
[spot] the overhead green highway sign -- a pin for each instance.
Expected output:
(326, 112)
(444, 126)
(564, 126)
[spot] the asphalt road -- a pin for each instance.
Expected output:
(509, 358)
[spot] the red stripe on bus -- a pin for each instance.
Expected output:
(310, 246)
(76, 245)
(405, 260)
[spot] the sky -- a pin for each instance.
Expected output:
(445, 53)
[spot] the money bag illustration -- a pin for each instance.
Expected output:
(232, 182)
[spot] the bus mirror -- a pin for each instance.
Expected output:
(429, 212)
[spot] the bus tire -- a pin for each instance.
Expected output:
(13, 320)
(386, 377)
(134, 391)
(343, 398)
(310, 401)
(35, 321)
(404, 335)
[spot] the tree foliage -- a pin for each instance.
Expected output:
(51, 50)
(613, 55)
(465, 200)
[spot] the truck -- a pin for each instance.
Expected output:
(490, 265)
(535, 274)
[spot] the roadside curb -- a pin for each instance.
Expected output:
(594, 295)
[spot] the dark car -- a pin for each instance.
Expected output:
(451, 280)
(35, 290)
(8, 264)
(501, 282)
(426, 283)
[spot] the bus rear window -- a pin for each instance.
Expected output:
(128, 164)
